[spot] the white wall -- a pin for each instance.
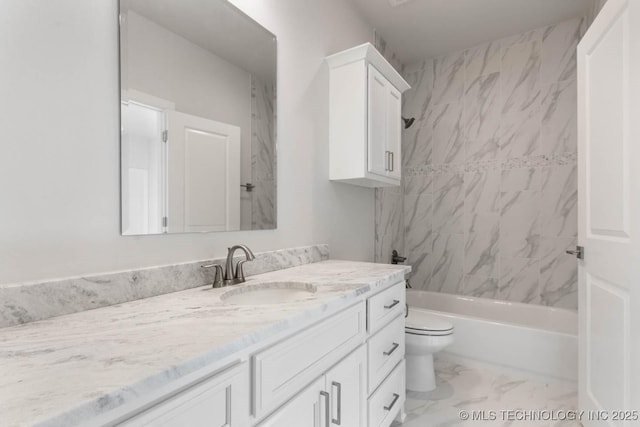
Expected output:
(59, 163)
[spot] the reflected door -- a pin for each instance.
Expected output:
(204, 174)
(609, 216)
(143, 171)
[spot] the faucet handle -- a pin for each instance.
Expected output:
(240, 271)
(218, 279)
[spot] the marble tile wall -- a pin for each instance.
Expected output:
(389, 209)
(263, 156)
(489, 197)
(28, 302)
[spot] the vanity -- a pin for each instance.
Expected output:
(327, 350)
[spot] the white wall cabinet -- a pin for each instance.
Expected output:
(364, 118)
(345, 370)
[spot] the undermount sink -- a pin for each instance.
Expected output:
(269, 293)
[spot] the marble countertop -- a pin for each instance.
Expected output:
(71, 368)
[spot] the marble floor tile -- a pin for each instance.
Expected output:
(468, 385)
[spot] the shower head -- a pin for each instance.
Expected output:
(408, 122)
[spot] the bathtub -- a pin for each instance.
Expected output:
(535, 338)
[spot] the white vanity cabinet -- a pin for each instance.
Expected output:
(344, 370)
(364, 118)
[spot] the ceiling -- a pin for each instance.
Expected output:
(418, 29)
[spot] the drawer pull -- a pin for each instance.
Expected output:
(327, 401)
(393, 304)
(338, 421)
(393, 402)
(394, 347)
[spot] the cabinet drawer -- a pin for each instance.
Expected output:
(220, 401)
(385, 306)
(287, 367)
(385, 350)
(386, 402)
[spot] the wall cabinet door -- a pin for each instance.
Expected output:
(346, 385)
(384, 120)
(393, 131)
(378, 158)
(304, 410)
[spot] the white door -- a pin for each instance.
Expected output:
(307, 409)
(346, 384)
(609, 213)
(204, 174)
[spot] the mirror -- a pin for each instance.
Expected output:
(198, 106)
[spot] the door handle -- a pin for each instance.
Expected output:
(579, 252)
(338, 420)
(386, 160)
(392, 161)
(326, 407)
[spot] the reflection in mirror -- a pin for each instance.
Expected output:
(198, 87)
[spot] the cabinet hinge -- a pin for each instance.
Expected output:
(165, 135)
(165, 221)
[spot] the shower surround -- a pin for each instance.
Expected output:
(488, 203)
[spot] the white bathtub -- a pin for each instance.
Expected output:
(523, 336)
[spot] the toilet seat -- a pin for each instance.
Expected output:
(421, 323)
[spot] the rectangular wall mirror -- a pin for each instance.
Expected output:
(198, 111)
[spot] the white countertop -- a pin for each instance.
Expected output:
(77, 366)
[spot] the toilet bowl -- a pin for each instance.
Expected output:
(425, 335)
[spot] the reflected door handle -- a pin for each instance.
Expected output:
(579, 252)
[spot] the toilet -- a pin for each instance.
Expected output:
(425, 334)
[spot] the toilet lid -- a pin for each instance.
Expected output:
(423, 323)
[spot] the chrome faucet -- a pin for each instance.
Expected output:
(238, 277)
(226, 276)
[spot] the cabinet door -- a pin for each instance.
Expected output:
(378, 156)
(305, 410)
(394, 129)
(346, 385)
(220, 401)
